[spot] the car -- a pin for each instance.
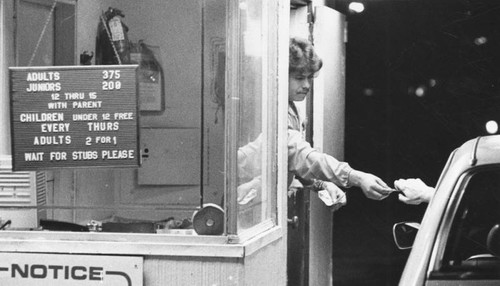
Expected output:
(458, 240)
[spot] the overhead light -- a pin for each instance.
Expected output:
(432, 82)
(368, 91)
(492, 127)
(480, 41)
(420, 91)
(356, 7)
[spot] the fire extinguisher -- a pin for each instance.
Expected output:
(113, 46)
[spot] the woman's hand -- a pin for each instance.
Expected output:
(334, 197)
(372, 186)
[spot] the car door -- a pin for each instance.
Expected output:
(467, 250)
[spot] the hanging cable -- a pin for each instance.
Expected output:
(43, 32)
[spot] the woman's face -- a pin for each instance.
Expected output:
(299, 85)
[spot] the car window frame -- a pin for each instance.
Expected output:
(435, 268)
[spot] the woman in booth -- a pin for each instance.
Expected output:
(313, 169)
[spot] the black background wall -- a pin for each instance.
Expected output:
(422, 78)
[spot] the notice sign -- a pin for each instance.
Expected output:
(41, 269)
(74, 116)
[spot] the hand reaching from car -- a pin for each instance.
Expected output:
(413, 191)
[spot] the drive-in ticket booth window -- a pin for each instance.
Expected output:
(141, 142)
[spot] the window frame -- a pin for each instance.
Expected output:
(137, 243)
(270, 111)
(437, 270)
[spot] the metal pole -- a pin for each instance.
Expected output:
(6, 8)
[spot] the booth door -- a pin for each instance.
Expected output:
(310, 224)
(298, 238)
(298, 201)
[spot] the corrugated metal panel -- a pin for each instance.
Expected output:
(16, 188)
(41, 194)
(41, 189)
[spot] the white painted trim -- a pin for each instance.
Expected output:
(247, 234)
(133, 244)
(263, 240)
(6, 9)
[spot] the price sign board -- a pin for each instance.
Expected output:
(74, 116)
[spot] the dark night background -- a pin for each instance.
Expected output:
(394, 47)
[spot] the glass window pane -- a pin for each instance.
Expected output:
(182, 119)
(472, 249)
(256, 127)
(180, 95)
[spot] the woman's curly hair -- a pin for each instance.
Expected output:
(303, 59)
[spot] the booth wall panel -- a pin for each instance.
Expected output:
(188, 271)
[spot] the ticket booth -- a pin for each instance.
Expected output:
(128, 131)
(127, 128)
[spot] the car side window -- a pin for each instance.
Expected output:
(473, 246)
